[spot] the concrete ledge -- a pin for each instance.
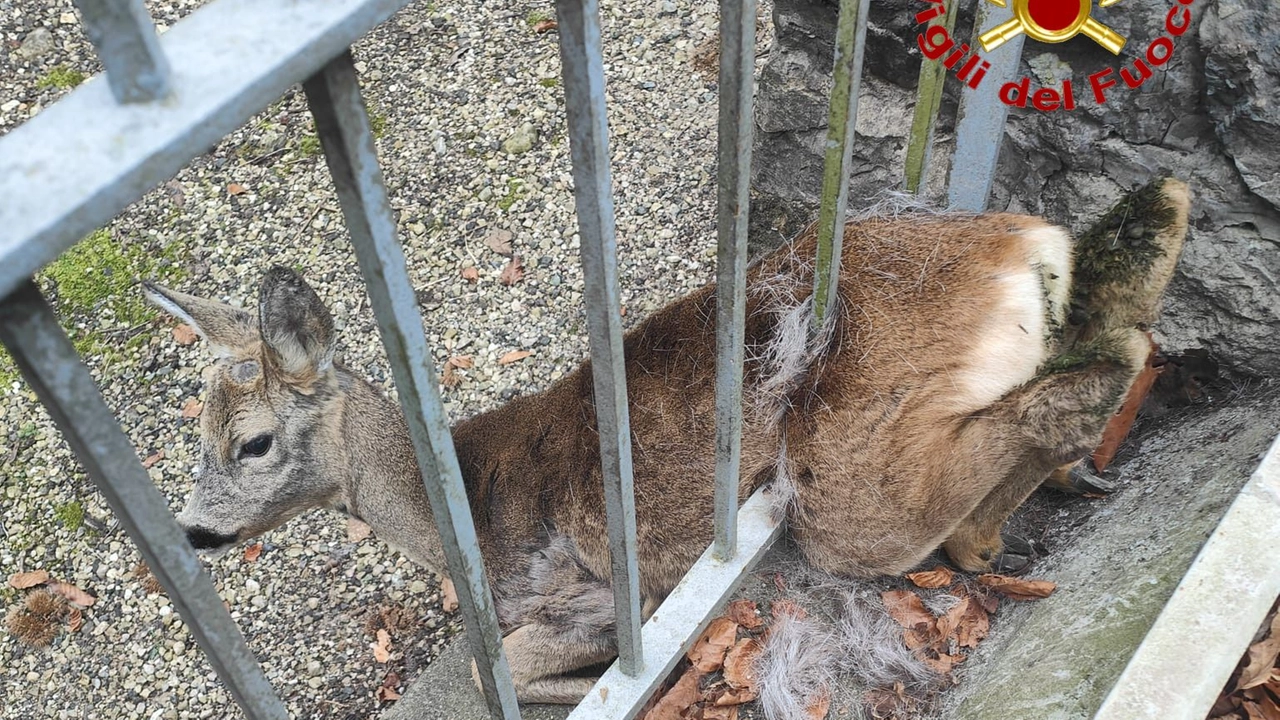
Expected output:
(1057, 659)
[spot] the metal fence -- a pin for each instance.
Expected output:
(166, 99)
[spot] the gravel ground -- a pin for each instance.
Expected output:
(448, 86)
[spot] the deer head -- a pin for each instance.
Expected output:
(271, 399)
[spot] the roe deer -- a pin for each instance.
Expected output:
(967, 357)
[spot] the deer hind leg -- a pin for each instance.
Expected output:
(1058, 417)
(543, 657)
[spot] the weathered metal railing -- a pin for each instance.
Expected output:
(164, 100)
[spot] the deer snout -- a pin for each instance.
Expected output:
(206, 539)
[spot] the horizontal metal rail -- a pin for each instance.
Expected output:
(1216, 608)
(582, 63)
(682, 616)
(982, 116)
(62, 177)
(44, 354)
(342, 122)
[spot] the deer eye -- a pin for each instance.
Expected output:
(256, 447)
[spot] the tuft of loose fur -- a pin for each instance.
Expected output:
(35, 621)
(846, 636)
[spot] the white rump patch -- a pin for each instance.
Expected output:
(1010, 346)
(1051, 251)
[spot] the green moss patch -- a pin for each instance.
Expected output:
(60, 77)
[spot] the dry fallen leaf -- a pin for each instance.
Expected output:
(192, 408)
(543, 26)
(253, 552)
(1017, 588)
(973, 623)
(679, 698)
(708, 651)
(1262, 658)
(499, 241)
(514, 356)
(938, 577)
(739, 664)
(451, 378)
(73, 594)
(729, 712)
(787, 606)
(819, 706)
(386, 694)
(184, 334)
(75, 620)
(513, 272)
(153, 458)
(24, 580)
(448, 596)
(470, 274)
(745, 613)
(235, 189)
(357, 530)
(1118, 427)
(906, 607)
(382, 648)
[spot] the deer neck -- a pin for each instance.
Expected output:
(379, 480)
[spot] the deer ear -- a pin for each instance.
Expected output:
(295, 326)
(224, 328)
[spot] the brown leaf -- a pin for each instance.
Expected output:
(462, 362)
(1017, 588)
(787, 606)
(543, 26)
(1118, 426)
(253, 552)
(153, 458)
(75, 620)
(745, 613)
(714, 712)
(708, 651)
(739, 664)
(973, 625)
(514, 356)
(448, 596)
(938, 577)
(184, 334)
(819, 706)
(357, 530)
(73, 594)
(499, 241)
(736, 696)
(1262, 658)
(906, 607)
(386, 694)
(24, 580)
(235, 189)
(192, 408)
(513, 272)
(943, 663)
(679, 698)
(470, 274)
(382, 648)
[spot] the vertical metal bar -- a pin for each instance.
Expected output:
(583, 67)
(980, 128)
(342, 123)
(125, 37)
(737, 84)
(47, 360)
(851, 33)
(933, 74)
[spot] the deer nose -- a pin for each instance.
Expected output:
(205, 539)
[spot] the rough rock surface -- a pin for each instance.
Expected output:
(1208, 116)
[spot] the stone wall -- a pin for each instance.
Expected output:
(1210, 116)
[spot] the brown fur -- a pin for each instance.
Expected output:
(938, 396)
